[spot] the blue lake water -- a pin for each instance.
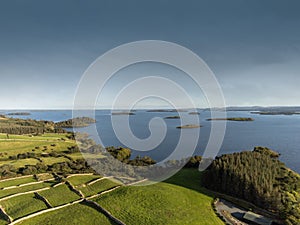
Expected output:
(278, 132)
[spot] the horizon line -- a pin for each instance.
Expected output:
(159, 107)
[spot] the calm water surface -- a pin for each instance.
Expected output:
(278, 132)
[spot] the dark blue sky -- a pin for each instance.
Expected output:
(252, 46)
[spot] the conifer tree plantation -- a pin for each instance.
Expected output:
(258, 177)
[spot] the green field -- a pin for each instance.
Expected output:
(82, 179)
(11, 191)
(18, 181)
(22, 205)
(37, 144)
(80, 155)
(59, 195)
(51, 160)
(99, 186)
(179, 200)
(41, 146)
(3, 221)
(46, 136)
(20, 162)
(77, 214)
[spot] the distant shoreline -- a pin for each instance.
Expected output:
(239, 119)
(276, 113)
(19, 114)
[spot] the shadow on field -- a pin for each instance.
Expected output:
(191, 179)
(97, 207)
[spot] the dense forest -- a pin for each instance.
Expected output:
(260, 178)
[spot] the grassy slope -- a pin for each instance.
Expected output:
(20, 163)
(24, 143)
(59, 195)
(82, 179)
(97, 187)
(22, 205)
(7, 192)
(45, 143)
(52, 160)
(80, 155)
(180, 200)
(14, 182)
(47, 136)
(77, 214)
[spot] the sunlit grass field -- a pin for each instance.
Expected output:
(32, 187)
(59, 195)
(82, 179)
(97, 187)
(74, 214)
(13, 145)
(22, 205)
(23, 143)
(15, 182)
(180, 200)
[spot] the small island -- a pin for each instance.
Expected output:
(19, 114)
(194, 113)
(172, 117)
(189, 126)
(122, 113)
(167, 110)
(233, 119)
(287, 113)
(76, 122)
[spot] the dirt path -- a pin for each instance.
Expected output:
(230, 212)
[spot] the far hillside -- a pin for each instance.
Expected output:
(76, 122)
(29, 126)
